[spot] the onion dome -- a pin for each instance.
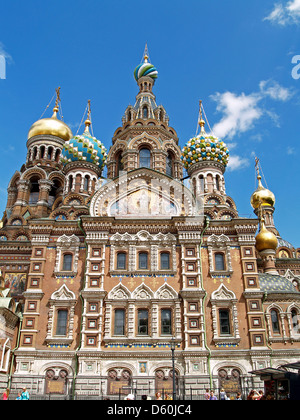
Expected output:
(145, 69)
(265, 239)
(52, 126)
(84, 148)
(262, 196)
(204, 148)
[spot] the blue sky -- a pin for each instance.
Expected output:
(234, 55)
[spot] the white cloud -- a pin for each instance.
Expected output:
(241, 112)
(285, 14)
(237, 162)
(275, 91)
(4, 53)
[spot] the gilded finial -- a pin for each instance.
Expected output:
(57, 101)
(201, 120)
(146, 54)
(88, 120)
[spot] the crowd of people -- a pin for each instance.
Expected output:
(253, 395)
(22, 395)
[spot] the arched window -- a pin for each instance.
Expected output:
(169, 165)
(86, 183)
(53, 193)
(57, 155)
(42, 152)
(34, 191)
(121, 261)
(219, 262)
(201, 179)
(143, 261)
(218, 182)
(67, 262)
(49, 152)
(224, 319)
(295, 321)
(166, 321)
(165, 261)
(119, 161)
(143, 318)
(275, 322)
(62, 322)
(119, 324)
(145, 112)
(145, 158)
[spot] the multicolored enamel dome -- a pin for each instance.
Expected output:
(145, 69)
(204, 148)
(86, 148)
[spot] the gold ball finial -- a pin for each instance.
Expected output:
(265, 239)
(262, 196)
(51, 126)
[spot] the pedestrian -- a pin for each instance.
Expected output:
(168, 397)
(207, 394)
(158, 396)
(129, 397)
(260, 395)
(25, 395)
(5, 395)
(239, 396)
(212, 396)
(223, 395)
(19, 396)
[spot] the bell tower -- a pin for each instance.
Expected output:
(145, 138)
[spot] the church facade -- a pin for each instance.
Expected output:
(112, 273)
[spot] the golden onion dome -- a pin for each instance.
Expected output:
(262, 196)
(52, 126)
(265, 239)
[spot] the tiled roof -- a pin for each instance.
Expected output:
(274, 283)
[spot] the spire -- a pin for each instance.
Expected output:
(57, 102)
(201, 120)
(146, 54)
(88, 120)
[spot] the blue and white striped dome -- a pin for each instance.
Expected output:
(145, 69)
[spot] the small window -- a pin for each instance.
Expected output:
(120, 166)
(169, 165)
(145, 112)
(201, 179)
(34, 191)
(164, 261)
(219, 262)
(145, 158)
(166, 321)
(143, 261)
(86, 183)
(224, 321)
(67, 262)
(121, 261)
(61, 325)
(295, 321)
(143, 322)
(119, 327)
(275, 322)
(218, 182)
